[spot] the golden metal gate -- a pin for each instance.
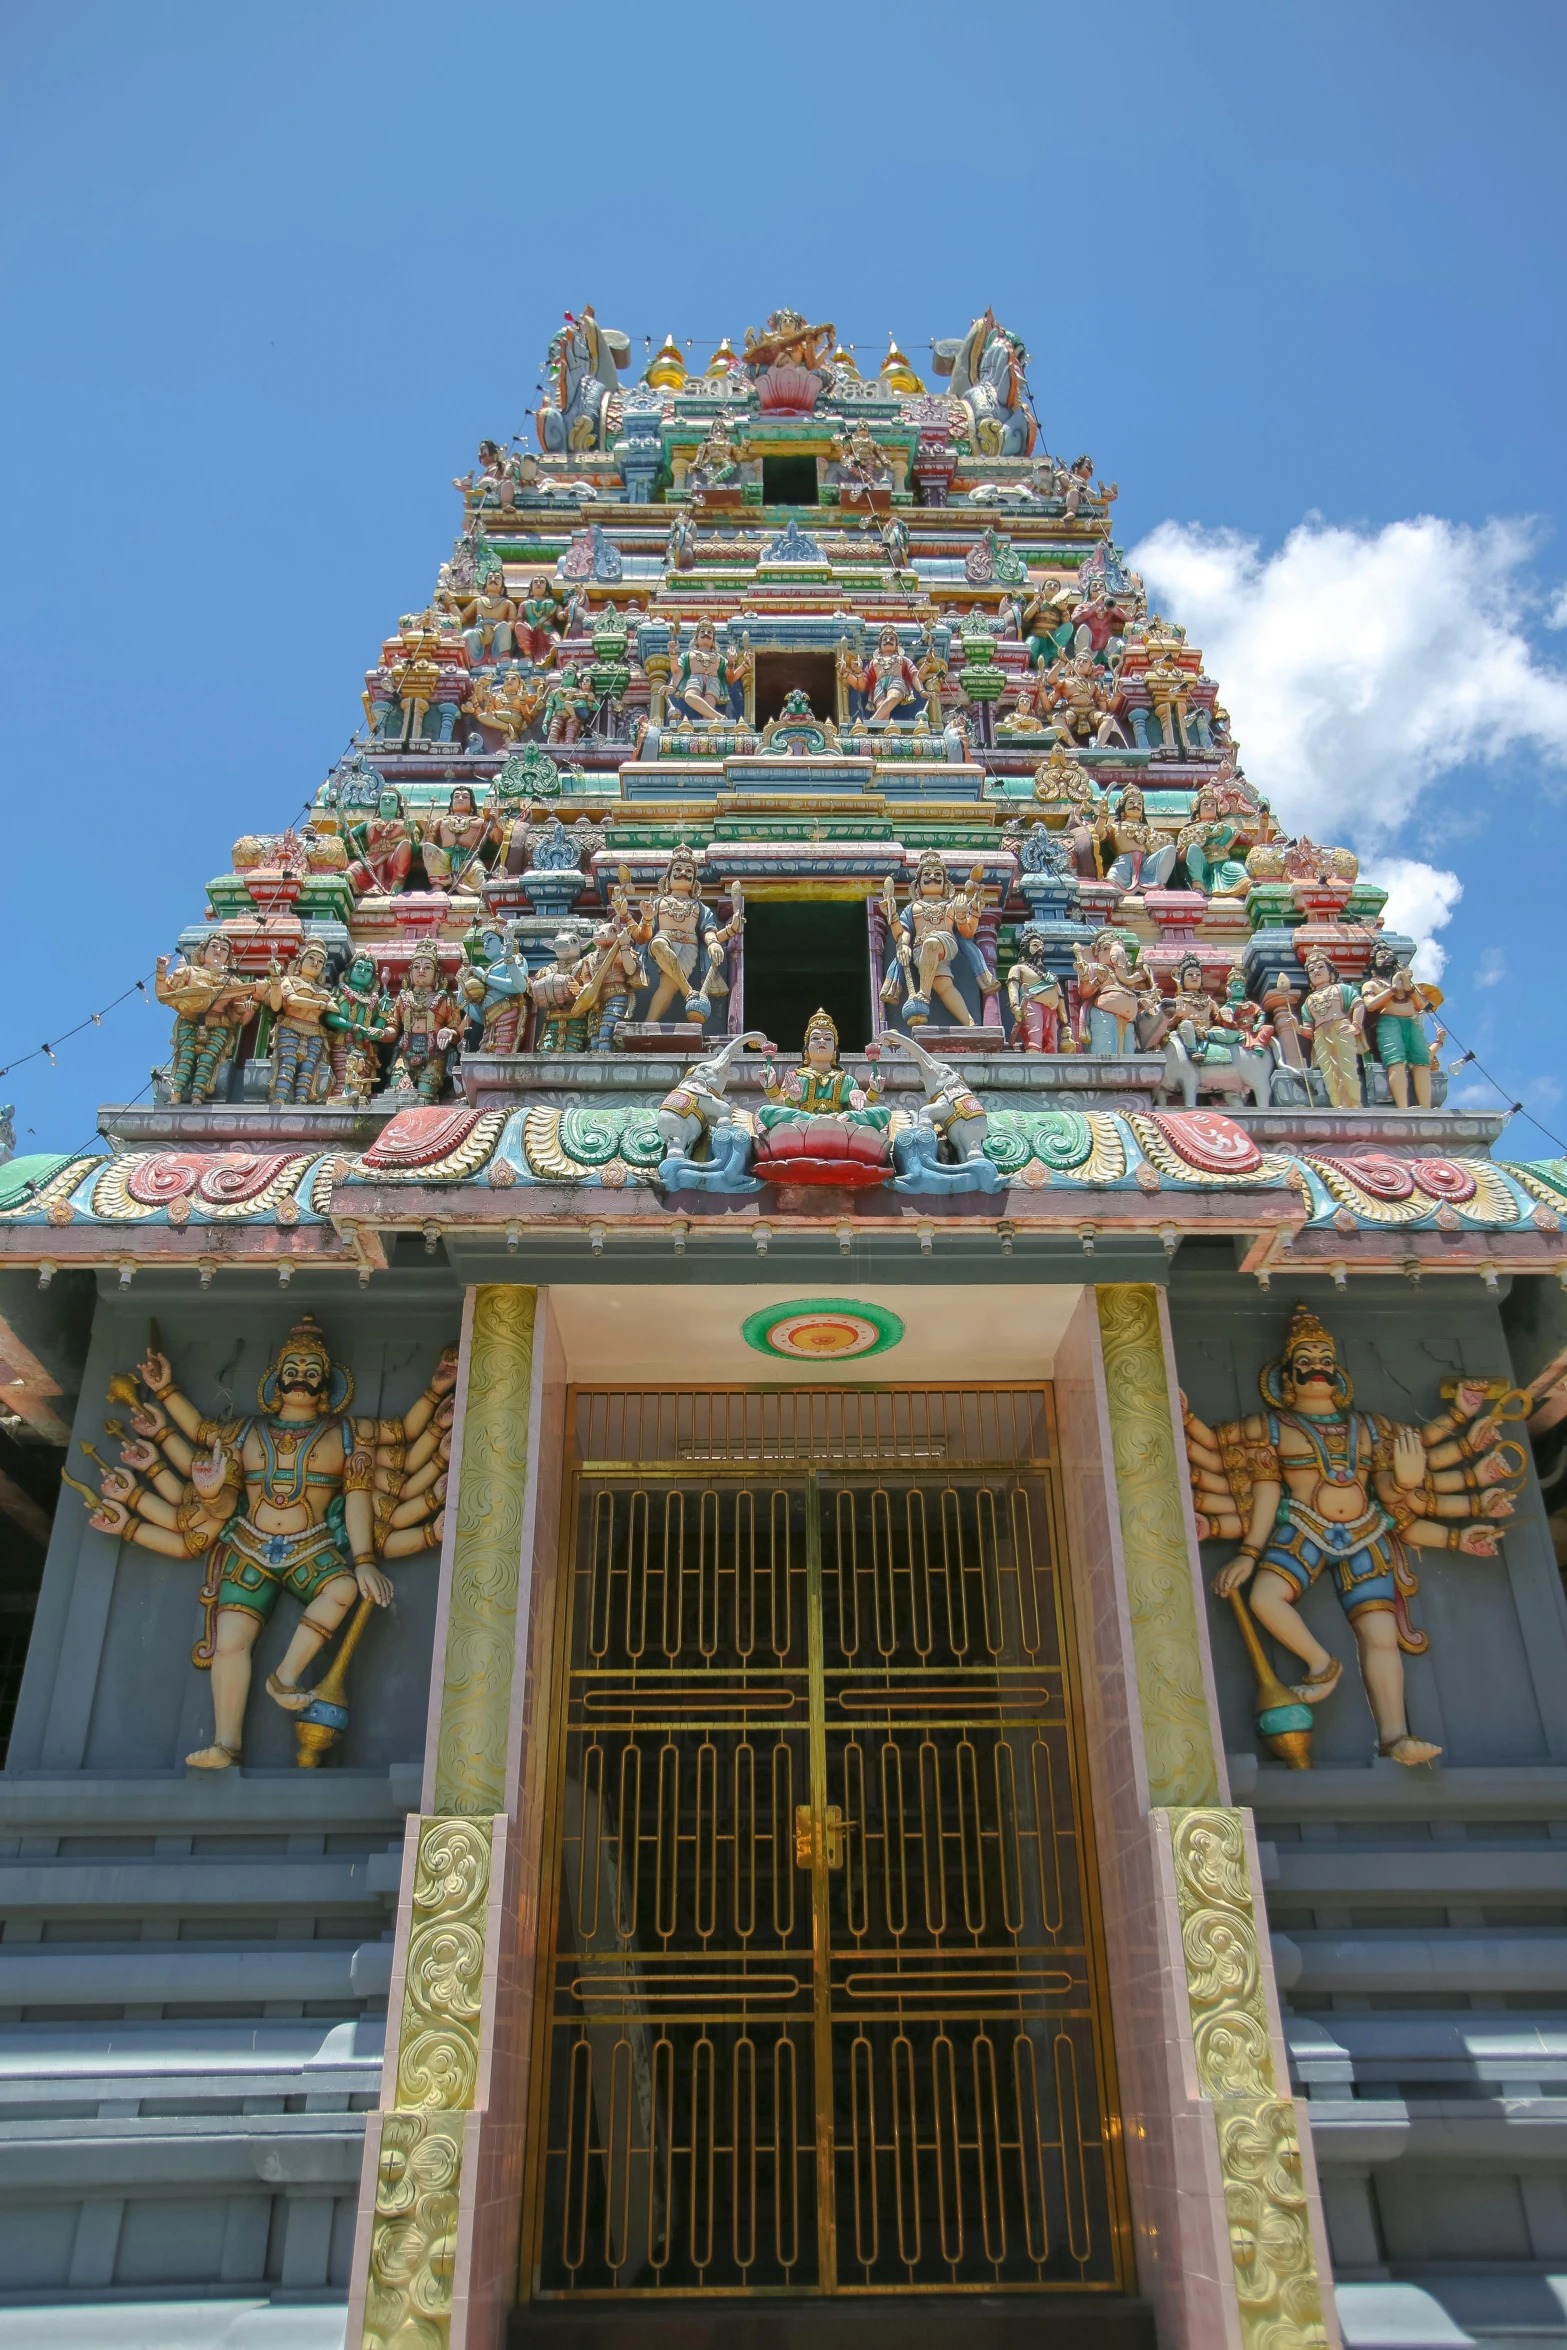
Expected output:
(821, 2006)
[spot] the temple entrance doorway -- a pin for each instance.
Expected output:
(803, 958)
(777, 674)
(821, 2004)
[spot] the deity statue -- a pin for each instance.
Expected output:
(1169, 688)
(889, 683)
(1082, 704)
(1114, 996)
(1024, 718)
(558, 1025)
(1045, 625)
(716, 465)
(298, 1498)
(211, 1006)
(987, 369)
(697, 1108)
(703, 681)
(1075, 482)
(489, 616)
(931, 670)
(426, 1021)
(894, 536)
(568, 708)
(858, 465)
(1396, 1004)
(510, 703)
(540, 620)
(677, 932)
(820, 1087)
(1097, 624)
(1310, 1484)
(581, 369)
(614, 973)
(1034, 993)
(1205, 845)
(451, 844)
(789, 362)
(931, 935)
(1144, 856)
(1191, 1012)
(1333, 1018)
(359, 1020)
(496, 984)
(298, 998)
(383, 848)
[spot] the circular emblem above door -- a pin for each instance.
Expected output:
(822, 1330)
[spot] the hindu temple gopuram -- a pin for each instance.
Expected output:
(783, 1533)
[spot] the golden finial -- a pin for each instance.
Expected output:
(896, 373)
(668, 368)
(723, 359)
(843, 361)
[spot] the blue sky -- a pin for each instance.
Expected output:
(268, 275)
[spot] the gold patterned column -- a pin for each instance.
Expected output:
(435, 2040)
(1278, 2292)
(1178, 1735)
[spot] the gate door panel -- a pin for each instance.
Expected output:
(822, 2009)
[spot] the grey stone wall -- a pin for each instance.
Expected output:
(193, 1966)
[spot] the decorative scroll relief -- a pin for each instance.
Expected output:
(1278, 2292)
(1166, 1637)
(487, 1562)
(413, 2239)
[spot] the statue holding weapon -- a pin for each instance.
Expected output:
(298, 1498)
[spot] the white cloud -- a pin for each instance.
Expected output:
(1360, 666)
(1492, 968)
(1556, 616)
(1420, 900)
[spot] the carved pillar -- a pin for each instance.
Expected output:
(435, 2253)
(1231, 2245)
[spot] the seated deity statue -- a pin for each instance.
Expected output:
(1081, 703)
(452, 844)
(1115, 997)
(568, 708)
(1144, 856)
(1024, 718)
(816, 1124)
(703, 681)
(383, 848)
(889, 684)
(1206, 845)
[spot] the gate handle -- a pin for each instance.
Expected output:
(805, 1835)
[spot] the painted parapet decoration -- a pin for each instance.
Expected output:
(298, 1498)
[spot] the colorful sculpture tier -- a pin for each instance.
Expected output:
(781, 623)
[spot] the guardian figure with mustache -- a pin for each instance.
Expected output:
(1311, 1487)
(299, 1498)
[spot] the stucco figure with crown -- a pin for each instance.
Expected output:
(1311, 1487)
(297, 1498)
